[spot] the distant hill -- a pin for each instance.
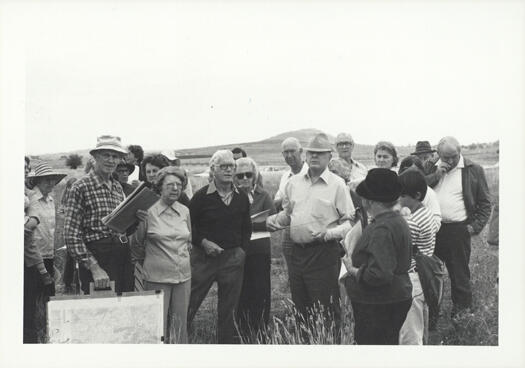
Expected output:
(267, 152)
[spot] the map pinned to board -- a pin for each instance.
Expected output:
(126, 319)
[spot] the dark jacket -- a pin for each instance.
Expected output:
(261, 202)
(476, 193)
(383, 257)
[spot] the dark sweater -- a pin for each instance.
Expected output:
(383, 257)
(227, 226)
(261, 202)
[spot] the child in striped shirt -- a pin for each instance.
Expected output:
(423, 231)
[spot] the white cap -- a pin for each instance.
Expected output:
(169, 154)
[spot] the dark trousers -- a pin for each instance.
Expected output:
(314, 274)
(33, 289)
(379, 324)
(69, 270)
(227, 269)
(114, 258)
(253, 311)
(453, 248)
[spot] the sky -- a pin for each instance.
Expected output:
(190, 74)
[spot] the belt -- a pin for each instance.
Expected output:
(455, 223)
(313, 244)
(119, 239)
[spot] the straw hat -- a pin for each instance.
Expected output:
(43, 170)
(109, 142)
(319, 143)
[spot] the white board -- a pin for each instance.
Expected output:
(132, 318)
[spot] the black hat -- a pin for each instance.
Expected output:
(380, 185)
(423, 147)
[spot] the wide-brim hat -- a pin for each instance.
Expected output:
(43, 170)
(129, 166)
(109, 142)
(319, 143)
(380, 185)
(423, 147)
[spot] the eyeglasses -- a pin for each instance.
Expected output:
(225, 167)
(247, 175)
(342, 144)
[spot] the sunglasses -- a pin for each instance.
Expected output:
(247, 175)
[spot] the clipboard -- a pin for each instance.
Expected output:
(106, 317)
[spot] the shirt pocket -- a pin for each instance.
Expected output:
(323, 209)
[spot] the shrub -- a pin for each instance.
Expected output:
(73, 161)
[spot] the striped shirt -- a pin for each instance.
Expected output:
(89, 200)
(423, 231)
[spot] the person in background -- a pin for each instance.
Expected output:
(221, 231)
(464, 198)
(378, 284)
(36, 277)
(42, 203)
(293, 156)
(352, 171)
(318, 209)
(89, 165)
(163, 241)
(135, 156)
(238, 152)
(253, 311)
(69, 266)
(122, 173)
(385, 155)
(175, 161)
(430, 200)
(426, 154)
(423, 231)
(102, 255)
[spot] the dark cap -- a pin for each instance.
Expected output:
(380, 185)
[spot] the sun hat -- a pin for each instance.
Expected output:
(43, 170)
(319, 143)
(129, 165)
(109, 142)
(343, 137)
(423, 147)
(380, 185)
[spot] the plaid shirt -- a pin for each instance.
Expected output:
(88, 202)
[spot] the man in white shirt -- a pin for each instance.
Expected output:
(464, 199)
(292, 153)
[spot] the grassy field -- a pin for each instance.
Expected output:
(479, 328)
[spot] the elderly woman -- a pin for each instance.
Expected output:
(253, 311)
(43, 205)
(385, 155)
(378, 284)
(163, 240)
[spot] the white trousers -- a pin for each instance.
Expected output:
(415, 329)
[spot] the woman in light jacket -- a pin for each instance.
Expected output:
(163, 240)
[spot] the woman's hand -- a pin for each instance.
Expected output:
(142, 215)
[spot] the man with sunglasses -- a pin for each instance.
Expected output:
(316, 208)
(221, 230)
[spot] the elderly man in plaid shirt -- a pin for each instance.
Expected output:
(102, 255)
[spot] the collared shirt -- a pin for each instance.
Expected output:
(165, 240)
(89, 200)
(226, 198)
(449, 191)
(44, 234)
(285, 178)
(316, 207)
(352, 171)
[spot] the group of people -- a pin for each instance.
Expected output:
(332, 213)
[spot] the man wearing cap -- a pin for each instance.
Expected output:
(464, 198)
(221, 230)
(426, 154)
(354, 171)
(317, 209)
(102, 254)
(292, 153)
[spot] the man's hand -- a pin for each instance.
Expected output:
(135, 183)
(442, 169)
(100, 277)
(470, 229)
(271, 225)
(319, 235)
(210, 248)
(142, 215)
(48, 284)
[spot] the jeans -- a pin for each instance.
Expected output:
(415, 329)
(379, 324)
(176, 301)
(453, 248)
(227, 269)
